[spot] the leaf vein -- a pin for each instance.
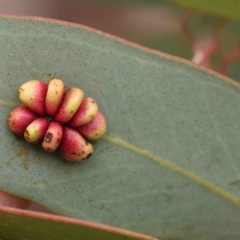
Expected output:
(226, 195)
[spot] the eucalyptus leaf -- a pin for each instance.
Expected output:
(132, 2)
(222, 8)
(169, 163)
(234, 26)
(22, 224)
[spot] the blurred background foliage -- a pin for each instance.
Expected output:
(156, 24)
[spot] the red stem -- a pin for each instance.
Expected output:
(203, 54)
(230, 57)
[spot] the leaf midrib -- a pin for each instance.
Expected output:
(211, 187)
(118, 141)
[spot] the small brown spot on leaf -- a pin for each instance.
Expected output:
(26, 166)
(22, 152)
(69, 170)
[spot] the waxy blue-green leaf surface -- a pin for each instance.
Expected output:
(169, 164)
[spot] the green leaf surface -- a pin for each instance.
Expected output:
(20, 224)
(169, 164)
(222, 8)
(234, 26)
(131, 2)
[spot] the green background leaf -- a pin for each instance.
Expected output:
(223, 8)
(20, 224)
(169, 164)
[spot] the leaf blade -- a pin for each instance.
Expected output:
(153, 101)
(220, 8)
(33, 225)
